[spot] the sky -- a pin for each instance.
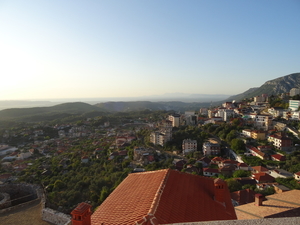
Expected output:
(126, 48)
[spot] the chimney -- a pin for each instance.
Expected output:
(219, 190)
(81, 215)
(258, 199)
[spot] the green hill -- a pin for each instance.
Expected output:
(47, 113)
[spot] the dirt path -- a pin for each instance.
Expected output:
(29, 215)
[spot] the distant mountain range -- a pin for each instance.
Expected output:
(47, 113)
(272, 87)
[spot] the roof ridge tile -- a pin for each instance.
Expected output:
(158, 194)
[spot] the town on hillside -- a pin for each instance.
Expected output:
(250, 149)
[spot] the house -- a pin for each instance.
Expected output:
(281, 141)
(246, 133)
(263, 178)
(280, 173)
(264, 186)
(228, 162)
(156, 197)
(192, 169)
(297, 176)
(278, 157)
(179, 163)
(258, 135)
(84, 159)
(217, 160)
(227, 170)
(205, 161)
(211, 148)
(138, 152)
(255, 152)
(210, 172)
(243, 166)
(279, 188)
(264, 148)
(259, 169)
(189, 146)
(242, 197)
(286, 204)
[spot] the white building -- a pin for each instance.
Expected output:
(294, 105)
(175, 119)
(263, 121)
(247, 132)
(163, 135)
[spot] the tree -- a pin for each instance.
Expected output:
(241, 173)
(104, 193)
(238, 145)
(59, 185)
(233, 185)
(249, 186)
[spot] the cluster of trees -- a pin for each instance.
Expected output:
(68, 181)
(228, 133)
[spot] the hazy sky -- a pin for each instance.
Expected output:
(84, 49)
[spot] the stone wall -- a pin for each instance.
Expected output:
(20, 193)
(55, 217)
(5, 202)
(33, 194)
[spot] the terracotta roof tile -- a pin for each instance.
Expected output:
(263, 177)
(284, 204)
(260, 169)
(163, 196)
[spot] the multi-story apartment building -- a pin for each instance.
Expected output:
(203, 111)
(258, 135)
(276, 111)
(211, 148)
(175, 118)
(262, 121)
(188, 146)
(163, 135)
(294, 105)
(281, 141)
(255, 134)
(225, 114)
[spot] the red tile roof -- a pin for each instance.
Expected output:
(260, 169)
(279, 157)
(263, 177)
(164, 196)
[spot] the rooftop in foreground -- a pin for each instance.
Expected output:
(286, 204)
(165, 196)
